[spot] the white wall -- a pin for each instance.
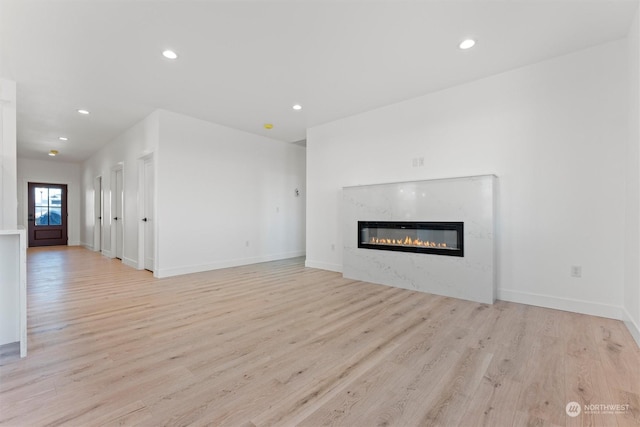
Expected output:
(632, 244)
(555, 135)
(226, 197)
(53, 172)
(124, 151)
(8, 157)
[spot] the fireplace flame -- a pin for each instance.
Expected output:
(407, 241)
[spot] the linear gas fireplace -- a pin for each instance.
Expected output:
(438, 238)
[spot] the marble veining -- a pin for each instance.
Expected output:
(468, 199)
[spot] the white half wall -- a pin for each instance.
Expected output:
(52, 172)
(555, 133)
(13, 288)
(226, 197)
(9, 287)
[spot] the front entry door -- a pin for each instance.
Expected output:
(47, 214)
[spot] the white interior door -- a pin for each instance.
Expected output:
(118, 217)
(148, 219)
(97, 230)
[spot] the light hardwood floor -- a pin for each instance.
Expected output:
(281, 344)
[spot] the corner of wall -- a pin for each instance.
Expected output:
(631, 300)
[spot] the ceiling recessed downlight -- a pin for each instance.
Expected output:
(467, 44)
(85, 112)
(297, 107)
(268, 126)
(63, 138)
(53, 153)
(169, 54)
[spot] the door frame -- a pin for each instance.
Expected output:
(112, 197)
(142, 188)
(23, 206)
(64, 210)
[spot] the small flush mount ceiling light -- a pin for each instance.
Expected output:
(169, 54)
(85, 112)
(297, 107)
(268, 126)
(53, 153)
(467, 44)
(63, 138)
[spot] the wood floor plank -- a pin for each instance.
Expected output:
(586, 379)
(544, 391)
(278, 344)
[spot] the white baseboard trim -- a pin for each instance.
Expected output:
(75, 243)
(632, 326)
(89, 246)
(133, 263)
(177, 271)
(565, 304)
(323, 265)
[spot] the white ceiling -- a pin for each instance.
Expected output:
(245, 63)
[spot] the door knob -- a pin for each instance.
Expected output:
(144, 219)
(116, 218)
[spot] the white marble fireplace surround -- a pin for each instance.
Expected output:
(467, 199)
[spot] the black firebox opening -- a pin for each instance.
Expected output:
(438, 238)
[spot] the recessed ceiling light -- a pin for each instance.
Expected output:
(268, 126)
(169, 54)
(53, 153)
(467, 44)
(85, 112)
(63, 138)
(297, 107)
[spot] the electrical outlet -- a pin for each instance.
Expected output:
(576, 271)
